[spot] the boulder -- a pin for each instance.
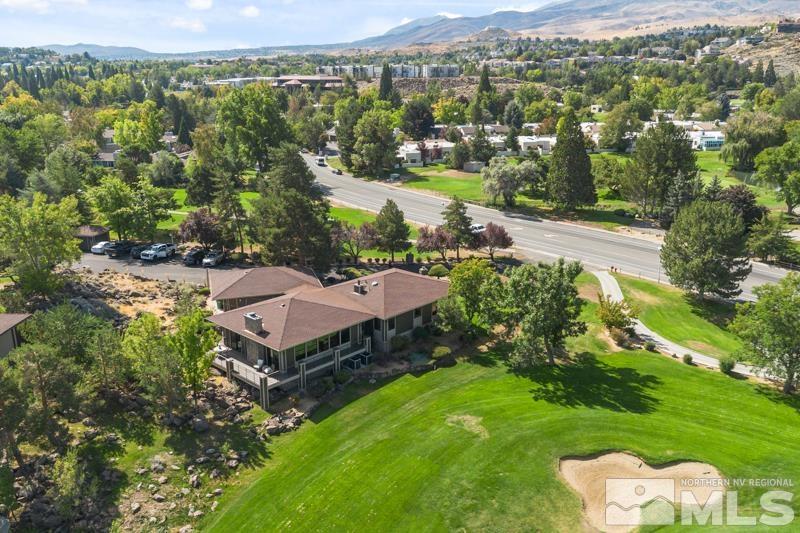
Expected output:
(159, 498)
(194, 481)
(136, 507)
(199, 425)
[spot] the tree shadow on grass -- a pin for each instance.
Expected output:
(225, 437)
(777, 396)
(588, 382)
(718, 312)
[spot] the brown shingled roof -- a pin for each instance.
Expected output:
(310, 313)
(394, 291)
(10, 320)
(295, 318)
(265, 281)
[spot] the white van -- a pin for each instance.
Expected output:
(321, 161)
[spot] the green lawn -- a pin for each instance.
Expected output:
(357, 217)
(475, 447)
(665, 310)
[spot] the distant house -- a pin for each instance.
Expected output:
(107, 156)
(90, 235)
(789, 26)
(412, 154)
(9, 336)
(284, 342)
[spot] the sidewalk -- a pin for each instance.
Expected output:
(613, 291)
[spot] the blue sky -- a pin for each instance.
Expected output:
(188, 25)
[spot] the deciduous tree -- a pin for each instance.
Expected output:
(769, 329)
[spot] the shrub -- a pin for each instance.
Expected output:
(341, 377)
(441, 352)
(203, 291)
(687, 358)
(726, 364)
(650, 346)
(619, 336)
(317, 389)
(351, 273)
(438, 271)
(615, 315)
(420, 333)
(399, 343)
(620, 212)
(418, 259)
(328, 382)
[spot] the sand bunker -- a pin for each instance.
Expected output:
(588, 476)
(470, 423)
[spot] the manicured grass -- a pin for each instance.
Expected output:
(665, 310)
(357, 217)
(447, 182)
(476, 447)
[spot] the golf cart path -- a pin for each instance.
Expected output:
(613, 291)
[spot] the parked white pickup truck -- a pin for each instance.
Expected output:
(158, 251)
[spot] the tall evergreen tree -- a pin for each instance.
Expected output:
(683, 191)
(770, 77)
(386, 88)
(570, 183)
(484, 85)
(392, 230)
(458, 223)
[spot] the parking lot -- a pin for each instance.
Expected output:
(171, 269)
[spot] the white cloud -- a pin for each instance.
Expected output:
(522, 7)
(199, 5)
(449, 15)
(405, 20)
(250, 11)
(38, 6)
(193, 25)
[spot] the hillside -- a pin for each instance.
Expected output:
(784, 50)
(592, 19)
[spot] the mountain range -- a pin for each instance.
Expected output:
(576, 18)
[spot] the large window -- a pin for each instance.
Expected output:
(378, 324)
(345, 336)
(391, 324)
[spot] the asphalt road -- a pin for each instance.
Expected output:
(538, 239)
(169, 270)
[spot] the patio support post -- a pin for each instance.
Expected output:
(262, 385)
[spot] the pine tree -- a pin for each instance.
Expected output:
(758, 73)
(770, 78)
(683, 191)
(570, 183)
(385, 90)
(392, 229)
(713, 191)
(484, 85)
(458, 223)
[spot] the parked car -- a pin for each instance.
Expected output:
(321, 161)
(194, 257)
(100, 247)
(136, 251)
(158, 251)
(477, 228)
(213, 258)
(337, 171)
(118, 248)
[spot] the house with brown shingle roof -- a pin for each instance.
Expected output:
(310, 331)
(231, 289)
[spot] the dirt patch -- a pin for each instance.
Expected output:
(703, 347)
(641, 296)
(589, 292)
(606, 337)
(630, 494)
(469, 423)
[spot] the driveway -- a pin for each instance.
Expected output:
(170, 270)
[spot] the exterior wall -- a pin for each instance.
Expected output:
(403, 324)
(236, 303)
(8, 341)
